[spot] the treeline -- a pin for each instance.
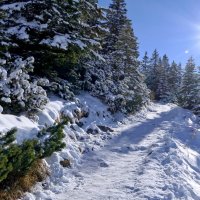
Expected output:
(171, 82)
(64, 46)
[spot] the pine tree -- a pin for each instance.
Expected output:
(92, 64)
(196, 108)
(5, 165)
(189, 89)
(145, 65)
(16, 159)
(52, 139)
(152, 79)
(8, 138)
(120, 51)
(51, 31)
(116, 16)
(162, 73)
(174, 82)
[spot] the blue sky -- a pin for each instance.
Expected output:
(170, 26)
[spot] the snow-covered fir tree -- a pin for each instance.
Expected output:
(190, 88)
(162, 90)
(174, 82)
(52, 31)
(197, 106)
(120, 51)
(152, 80)
(93, 16)
(145, 65)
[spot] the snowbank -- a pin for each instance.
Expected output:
(85, 113)
(162, 141)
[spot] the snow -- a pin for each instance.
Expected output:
(26, 128)
(152, 155)
(2, 61)
(7, 100)
(20, 32)
(14, 6)
(80, 44)
(60, 41)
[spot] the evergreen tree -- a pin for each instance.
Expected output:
(152, 78)
(53, 142)
(116, 15)
(52, 31)
(120, 50)
(196, 108)
(162, 74)
(17, 91)
(93, 17)
(16, 159)
(189, 89)
(145, 65)
(174, 82)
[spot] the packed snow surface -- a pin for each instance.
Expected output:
(152, 155)
(156, 155)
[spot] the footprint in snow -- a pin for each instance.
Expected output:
(125, 149)
(78, 175)
(141, 148)
(120, 150)
(129, 189)
(103, 164)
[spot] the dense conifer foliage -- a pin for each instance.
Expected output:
(16, 159)
(171, 82)
(75, 45)
(117, 79)
(63, 47)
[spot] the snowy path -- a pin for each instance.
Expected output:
(145, 161)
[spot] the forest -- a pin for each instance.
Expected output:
(65, 47)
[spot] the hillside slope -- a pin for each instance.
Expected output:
(155, 155)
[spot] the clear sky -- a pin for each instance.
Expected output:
(170, 26)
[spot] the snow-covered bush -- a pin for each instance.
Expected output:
(16, 159)
(17, 91)
(62, 88)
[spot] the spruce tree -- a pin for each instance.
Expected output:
(52, 31)
(189, 89)
(116, 15)
(145, 66)
(120, 51)
(196, 108)
(18, 92)
(152, 78)
(92, 68)
(174, 82)
(162, 73)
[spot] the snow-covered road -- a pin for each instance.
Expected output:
(153, 157)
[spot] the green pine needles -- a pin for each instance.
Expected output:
(16, 159)
(53, 141)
